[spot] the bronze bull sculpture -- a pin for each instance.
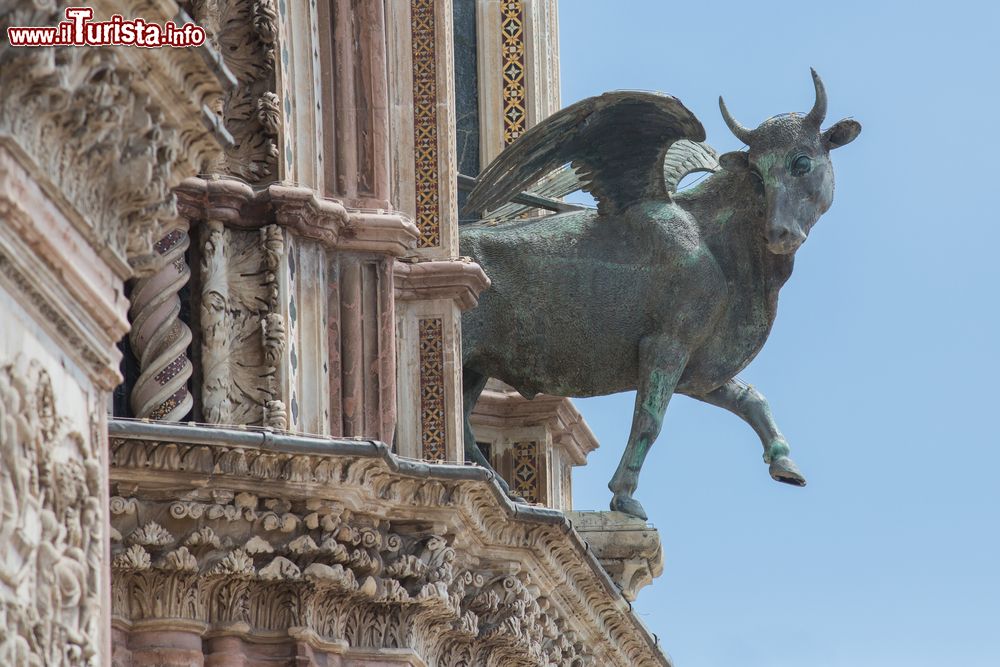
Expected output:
(655, 291)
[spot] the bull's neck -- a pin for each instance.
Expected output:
(730, 212)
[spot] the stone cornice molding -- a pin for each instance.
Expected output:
(459, 279)
(54, 272)
(461, 568)
(112, 129)
(504, 407)
(300, 209)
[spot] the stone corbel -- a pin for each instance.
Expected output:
(628, 548)
(461, 281)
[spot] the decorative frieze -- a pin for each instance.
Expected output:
(432, 406)
(527, 478)
(425, 123)
(51, 527)
(339, 547)
(512, 63)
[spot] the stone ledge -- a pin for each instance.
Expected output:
(517, 582)
(459, 279)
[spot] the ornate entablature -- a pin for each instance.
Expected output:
(261, 544)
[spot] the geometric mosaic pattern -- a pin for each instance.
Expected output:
(527, 476)
(512, 33)
(432, 417)
(425, 126)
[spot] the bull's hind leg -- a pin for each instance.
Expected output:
(473, 384)
(661, 363)
(750, 405)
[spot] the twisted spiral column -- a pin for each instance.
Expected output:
(159, 338)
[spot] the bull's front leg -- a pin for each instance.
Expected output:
(661, 363)
(750, 405)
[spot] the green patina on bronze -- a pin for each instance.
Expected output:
(654, 291)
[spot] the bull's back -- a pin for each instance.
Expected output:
(571, 297)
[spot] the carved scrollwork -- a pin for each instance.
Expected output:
(240, 309)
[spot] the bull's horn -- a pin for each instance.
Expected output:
(744, 134)
(818, 113)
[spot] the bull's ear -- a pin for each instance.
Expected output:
(735, 161)
(841, 133)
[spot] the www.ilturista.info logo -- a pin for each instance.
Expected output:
(79, 30)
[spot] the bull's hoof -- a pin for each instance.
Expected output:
(783, 469)
(628, 505)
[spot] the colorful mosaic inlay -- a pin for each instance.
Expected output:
(512, 32)
(425, 132)
(432, 417)
(526, 473)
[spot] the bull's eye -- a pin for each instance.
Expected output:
(758, 180)
(802, 165)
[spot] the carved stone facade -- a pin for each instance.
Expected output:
(260, 234)
(92, 142)
(413, 563)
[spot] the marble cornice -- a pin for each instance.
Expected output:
(531, 554)
(300, 209)
(459, 279)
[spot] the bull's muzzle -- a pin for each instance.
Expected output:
(785, 240)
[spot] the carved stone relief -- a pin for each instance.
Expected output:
(269, 564)
(84, 112)
(51, 526)
(242, 329)
(244, 32)
(340, 550)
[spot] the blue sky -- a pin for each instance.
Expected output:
(883, 363)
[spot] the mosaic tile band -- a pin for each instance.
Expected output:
(512, 38)
(526, 473)
(425, 122)
(432, 410)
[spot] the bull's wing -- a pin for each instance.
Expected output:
(616, 143)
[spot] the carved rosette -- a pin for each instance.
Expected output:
(51, 528)
(159, 338)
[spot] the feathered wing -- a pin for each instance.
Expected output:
(615, 142)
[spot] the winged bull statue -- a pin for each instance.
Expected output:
(655, 291)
